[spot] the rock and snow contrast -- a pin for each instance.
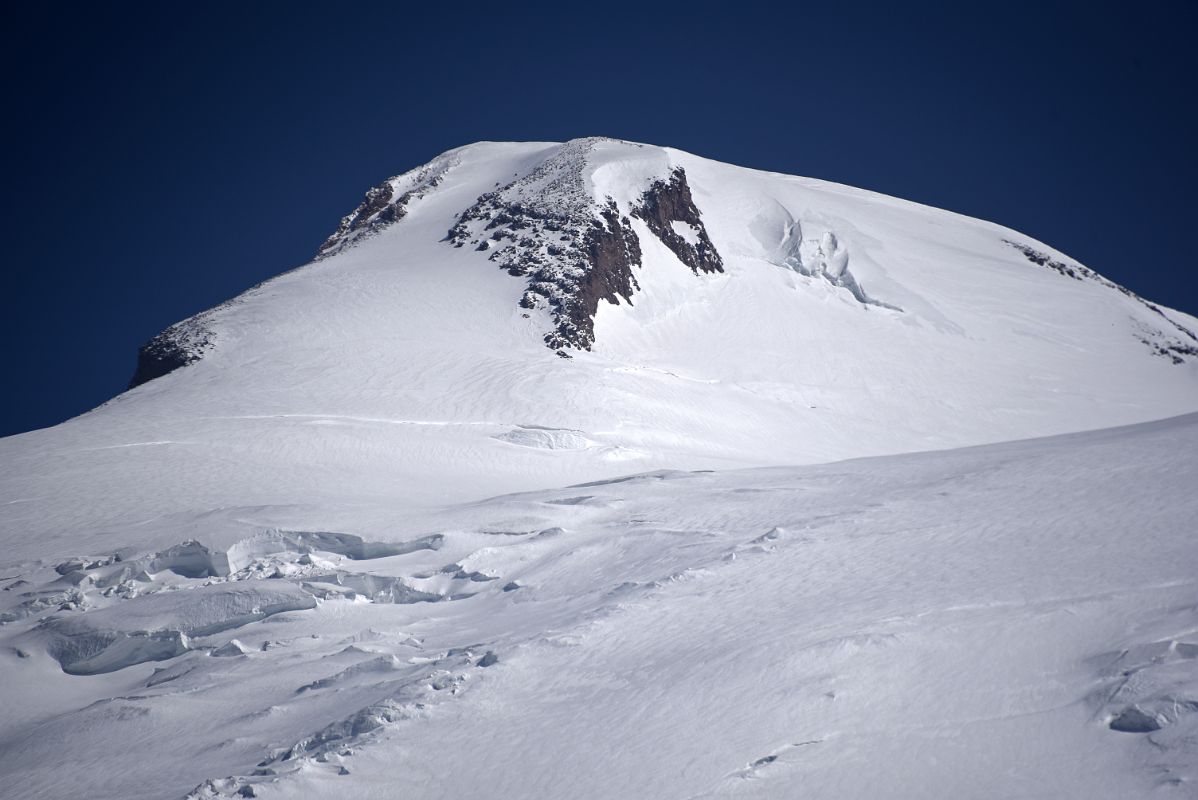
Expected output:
(599, 469)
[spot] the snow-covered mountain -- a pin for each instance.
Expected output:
(275, 550)
(761, 319)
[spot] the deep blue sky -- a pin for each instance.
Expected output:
(164, 157)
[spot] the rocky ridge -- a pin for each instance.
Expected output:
(386, 204)
(1176, 348)
(576, 249)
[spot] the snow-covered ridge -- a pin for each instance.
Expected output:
(1159, 341)
(564, 223)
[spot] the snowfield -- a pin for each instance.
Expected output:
(1014, 620)
(847, 497)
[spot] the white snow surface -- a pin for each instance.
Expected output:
(966, 623)
(323, 560)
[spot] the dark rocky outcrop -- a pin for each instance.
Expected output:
(378, 209)
(385, 205)
(157, 357)
(576, 250)
(179, 345)
(572, 261)
(667, 202)
(547, 228)
(611, 250)
(1060, 267)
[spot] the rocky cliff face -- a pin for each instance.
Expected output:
(670, 212)
(577, 249)
(547, 228)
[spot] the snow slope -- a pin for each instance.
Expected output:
(273, 560)
(966, 623)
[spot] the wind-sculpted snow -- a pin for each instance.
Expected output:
(824, 256)
(161, 626)
(246, 551)
(1152, 687)
(546, 438)
(882, 627)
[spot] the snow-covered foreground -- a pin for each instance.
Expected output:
(1012, 620)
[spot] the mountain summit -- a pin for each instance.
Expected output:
(636, 306)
